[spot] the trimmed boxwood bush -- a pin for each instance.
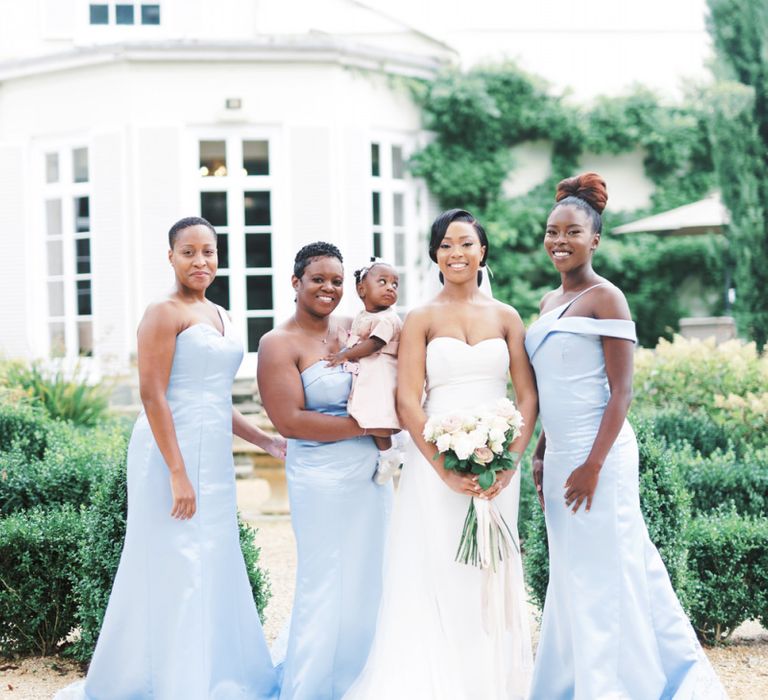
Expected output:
(727, 480)
(729, 564)
(99, 556)
(679, 425)
(23, 425)
(38, 562)
(666, 508)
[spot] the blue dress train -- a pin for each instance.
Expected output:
(612, 626)
(181, 620)
(340, 518)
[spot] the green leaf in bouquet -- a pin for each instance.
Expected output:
(451, 461)
(478, 468)
(486, 479)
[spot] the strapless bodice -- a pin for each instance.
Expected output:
(461, 376)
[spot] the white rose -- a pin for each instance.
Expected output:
(443, 442)
(505, 408)
(499, 423)
(479, 438)
(497, 435)
(497, 447)
(461, 444)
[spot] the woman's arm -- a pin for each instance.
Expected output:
(156, 347)
(272, 444)
(411, 373)
(364, 348)
(282, 394)
(537, 467)
(619, 357)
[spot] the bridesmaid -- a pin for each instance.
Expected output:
(339, 514)
(181, 620)
(612, 626)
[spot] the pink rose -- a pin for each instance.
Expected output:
(483, 455)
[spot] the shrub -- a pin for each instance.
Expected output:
(38, 561)
(99, 556)
(666, 509)
(744, 418)
(678, 425)
(65, 397)
(724, 479)
(729, 561)
(23, 425)
(72, 462)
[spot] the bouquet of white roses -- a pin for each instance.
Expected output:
(477, 442)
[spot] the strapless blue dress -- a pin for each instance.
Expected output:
(181, 620)
(340, 518)
(612, 626)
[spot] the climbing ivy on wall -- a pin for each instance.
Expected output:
(479, 115)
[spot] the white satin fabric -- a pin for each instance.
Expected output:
(431, 642)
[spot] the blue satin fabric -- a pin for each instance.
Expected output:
(340, 518)
(612, 626)
(181, 620)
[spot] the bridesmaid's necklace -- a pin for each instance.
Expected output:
(324, 341)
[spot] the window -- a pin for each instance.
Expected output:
(392, 227)
(68, 263)
(124, 14)
(99, 14)
(236, 197)
(150, 14)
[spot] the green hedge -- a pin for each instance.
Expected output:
(729, 564)
(38, 561)
(25, 426)
(666, 509)
(727, 480)
(678, 425)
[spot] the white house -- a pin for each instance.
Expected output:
(118, 118)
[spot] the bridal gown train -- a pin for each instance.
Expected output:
(612, 627)
(430, 641)
(181, 620)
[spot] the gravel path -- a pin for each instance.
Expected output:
(742, 665)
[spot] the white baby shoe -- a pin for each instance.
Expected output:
(389, 464)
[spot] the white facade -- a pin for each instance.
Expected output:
(278, 139)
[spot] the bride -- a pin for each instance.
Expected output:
(451, 631)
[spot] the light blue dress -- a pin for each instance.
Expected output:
(612, 625)
(181, 620)
(340, 518)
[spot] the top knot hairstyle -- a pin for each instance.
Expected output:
(587, 192)
(318, 249)
(440, 227)
(186, 222)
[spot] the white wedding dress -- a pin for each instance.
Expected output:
(431, 642)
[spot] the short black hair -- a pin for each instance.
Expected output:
(440, 227)
(186, 222)
(318, 249)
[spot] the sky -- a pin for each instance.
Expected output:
(585, 47)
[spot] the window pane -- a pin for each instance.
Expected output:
(257, 209)
(55, 264)
(124, 14)
(402, 290)
(398, 209)
(257, 327)
(53, 217)
(256, 157)
(51, 167)
(83, 256)
(399, 249)
(150, 14)
(258, 250)
(375, 160)
(213, 207)
(376, 244)
(85, 338)
(99, 14)
(84, 307)
(55, 298)
(222, 248)
(258, 292)
(80, 165)
(398, 166)
(376, 209)
(218, 291)
(56, 339)
(213, 158)
(82, 214)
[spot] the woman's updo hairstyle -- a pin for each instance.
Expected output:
(440, 228)
(587, 192)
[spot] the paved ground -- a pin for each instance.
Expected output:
(742, 665)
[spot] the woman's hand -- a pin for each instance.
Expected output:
(184, 505)
(537, 471)
(465, 484)
(581, 486)
(503, 479)
(276, 446)
(381, 432)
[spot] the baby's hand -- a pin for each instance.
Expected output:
(334, 360)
